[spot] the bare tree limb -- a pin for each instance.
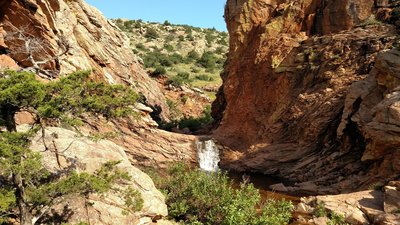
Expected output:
(35, 51)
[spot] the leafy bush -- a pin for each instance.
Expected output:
(30, 187)
(151, 33)
(193, 56)
(336, 219)
(160, 70)
(167, 23)
(168, 47)
(196, 197)
(180, 79)
(155, 58)
(207, 60)
(195, 124)
(140, 46)
(204, 77)
(219, 50)
(63, 100)
(176, 58)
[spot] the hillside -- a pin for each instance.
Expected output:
(185, 54)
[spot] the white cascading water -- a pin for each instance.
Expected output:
(208, 154)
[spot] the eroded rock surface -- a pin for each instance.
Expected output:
(285, 105)
(358, 208)
(92, 41)
(63, 148)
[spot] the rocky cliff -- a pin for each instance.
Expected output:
(306, 95)
(57, 37)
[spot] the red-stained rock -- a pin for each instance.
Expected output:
(7, 62)
(94, 43)
(285, 89)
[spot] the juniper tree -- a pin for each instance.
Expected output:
(27, 189)
(27, 185)
(63, 100)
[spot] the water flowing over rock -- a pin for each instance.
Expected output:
(286, 92)
(208, 155)
(70, 36)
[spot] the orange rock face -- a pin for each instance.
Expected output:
(290, 67)
(93, 42)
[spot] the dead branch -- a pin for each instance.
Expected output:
(27, 47)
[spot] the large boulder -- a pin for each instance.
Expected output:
(63, 149)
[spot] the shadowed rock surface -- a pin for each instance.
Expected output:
(283, 108)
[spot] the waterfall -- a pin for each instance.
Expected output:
(208, 155)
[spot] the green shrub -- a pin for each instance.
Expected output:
(336, 219)
(140, 46)
(207, 60)
(194, 69)
(160, 70)
(63, 100)
(176, 58)
(169, 47)
(196, 197)
(180, 79)
(193, 56)
(195, 124)
(204, 77)
(170, 38)
(156, 58)
(167, 23)
(151, 33)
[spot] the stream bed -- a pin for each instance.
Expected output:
(208, 159)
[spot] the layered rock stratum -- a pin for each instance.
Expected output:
(66, 36)
(56, 37)
(310, 92)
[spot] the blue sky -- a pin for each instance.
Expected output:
(200, 13)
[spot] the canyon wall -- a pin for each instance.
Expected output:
(57, 37)
(293, 102)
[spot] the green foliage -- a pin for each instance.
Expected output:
(196, 197)
(210, 38)
(195, 124)
(133, 200)
(320, 210)
(27, 183)
(167, 23)
(193, 56)
(140, 46)
(173, 109)
(180, 79)
(76, 94)
(336, 219)
(169, 47)
(20, 89)
(151, 33)
(207, 60)
(204, 77)
(62, 100)
(159, 70)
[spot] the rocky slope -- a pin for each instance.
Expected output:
(58, 37)
(186, 61)
(306, 95)
(55, 37)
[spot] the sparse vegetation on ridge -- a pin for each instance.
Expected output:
(178, 49)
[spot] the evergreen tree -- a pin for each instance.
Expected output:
(27, 189)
